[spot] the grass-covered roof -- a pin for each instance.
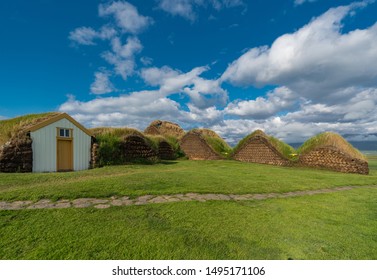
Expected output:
(120, 132)
(330, 139)
(214, 141)
(165, 128)
(11, 127)
(286, 150)
(115, 131)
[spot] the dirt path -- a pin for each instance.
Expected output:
(149, 199)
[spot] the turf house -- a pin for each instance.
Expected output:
(116, 146)
(331, 151)
(204, 144)
(47, 142)
(258, 147)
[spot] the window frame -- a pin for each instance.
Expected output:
(65, 131)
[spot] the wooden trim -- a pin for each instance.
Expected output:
(64, 138)
(58, 118)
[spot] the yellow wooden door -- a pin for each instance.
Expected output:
(64, 155)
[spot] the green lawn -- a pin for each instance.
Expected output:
(328, 226)
(175, 177)
(341, 225)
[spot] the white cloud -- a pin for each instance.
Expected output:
(203, 93)
(181, 8)
(128, 50)
(185, 8)
(281, 98)
(137, 110)
(146, 61)
(315, 61)
(83, 35)
(360, 108)
(300, 2)
(102, 83)
(155, 76)
(325, 80)
(87, 35)
(123, 56)
(126, 16)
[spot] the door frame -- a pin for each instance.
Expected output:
(68, 139)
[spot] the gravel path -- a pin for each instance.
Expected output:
(149, 199)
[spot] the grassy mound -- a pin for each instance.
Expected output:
(109, 141)
(214, 141)
(330, 139)
(286, 150)
(13, 127)
(164, 128)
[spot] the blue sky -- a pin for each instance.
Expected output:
(293, 68)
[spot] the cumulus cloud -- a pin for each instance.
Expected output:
(126, 16)
(122, 56)
(326, 80)
(316, 61)
(141, 107)
(102, 83)
(203, 93)
(137, 110)
(134, 109)
(87, 35)
(354, 118)
(185, 8)
(277, 100)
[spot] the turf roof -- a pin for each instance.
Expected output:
(165, 128)
(286, 150)
(120, 133)
(214, 141)
(17, 126)
(115, 131)
(330, 139)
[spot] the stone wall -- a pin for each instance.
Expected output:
(258, 150)
(17, 155)
(196, 148)
(135, 148)
(329, 157)
(165, 151)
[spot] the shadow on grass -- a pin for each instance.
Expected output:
(168, 162)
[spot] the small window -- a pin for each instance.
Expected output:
(64, 132)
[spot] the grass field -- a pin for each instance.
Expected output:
(340, 225)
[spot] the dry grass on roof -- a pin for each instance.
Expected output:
(217, 143)
(18, 126)
(165, 128)
(330, 139)
(115, 131)
(286, 150)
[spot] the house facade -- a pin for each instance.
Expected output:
(60, 144)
